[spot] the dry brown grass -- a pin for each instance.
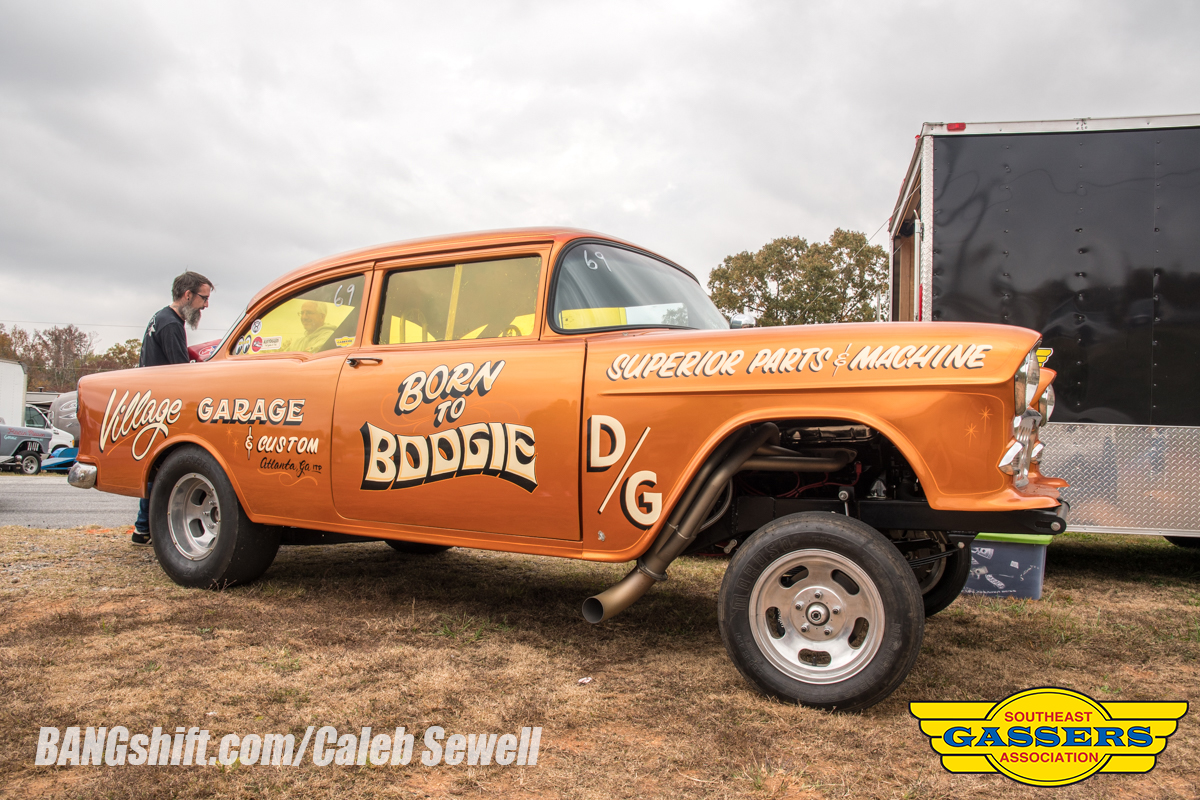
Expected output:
(93, 633)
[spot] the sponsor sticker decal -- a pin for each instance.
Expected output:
(1049, 736)
(344, 341)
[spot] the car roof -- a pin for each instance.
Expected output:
(433, 245)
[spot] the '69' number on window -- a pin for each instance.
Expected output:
(591, 263)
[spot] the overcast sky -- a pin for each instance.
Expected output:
(242, 140)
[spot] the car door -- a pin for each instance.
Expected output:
(268, 406)
(456, 416)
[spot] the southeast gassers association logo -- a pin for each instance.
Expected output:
(1048, 736)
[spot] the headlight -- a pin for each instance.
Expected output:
(1025, 381)
(1046, 404)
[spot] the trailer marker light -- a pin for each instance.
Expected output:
(956, 126)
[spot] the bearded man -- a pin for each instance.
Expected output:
(165, 342)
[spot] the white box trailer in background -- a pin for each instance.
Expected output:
(21, 447)
(12, 393)
(1087, 230)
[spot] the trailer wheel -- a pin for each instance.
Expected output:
(416, 548)
(201, 533)
(822, 610)
(1190, 542)
(31, 463)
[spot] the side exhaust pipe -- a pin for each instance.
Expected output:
(651, 568)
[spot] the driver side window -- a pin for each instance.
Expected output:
(321, 318)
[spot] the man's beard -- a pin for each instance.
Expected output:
(191, 315)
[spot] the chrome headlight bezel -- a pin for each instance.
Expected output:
(1046, 403)
(1025, 382)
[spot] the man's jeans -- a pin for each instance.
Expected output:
(142, 525)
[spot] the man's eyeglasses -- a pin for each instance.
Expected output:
(203, 297)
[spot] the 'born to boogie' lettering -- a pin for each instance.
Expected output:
(501, 449)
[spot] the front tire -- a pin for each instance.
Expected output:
(201, 534)
(949, 584)
(942, 581)
(822, 610)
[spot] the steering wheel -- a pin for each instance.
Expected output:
(511, 330)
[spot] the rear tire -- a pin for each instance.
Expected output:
(1188, 542)
(779, 624)
(201, 534)
(416, 548)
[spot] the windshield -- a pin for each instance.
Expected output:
(600, 286)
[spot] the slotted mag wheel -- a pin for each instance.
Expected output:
(816, 616)
(193, 516)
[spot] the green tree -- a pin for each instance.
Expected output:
(792, 282)
(123, 355)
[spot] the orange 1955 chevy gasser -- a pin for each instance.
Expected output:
(561, 393)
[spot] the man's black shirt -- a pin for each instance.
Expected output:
(164, 341)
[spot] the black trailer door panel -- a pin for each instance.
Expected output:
(1055, 232)
(1176, 361)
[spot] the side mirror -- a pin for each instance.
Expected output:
(741, 321)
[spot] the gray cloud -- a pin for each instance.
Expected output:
(243, 140)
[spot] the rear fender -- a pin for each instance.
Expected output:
(170, 446)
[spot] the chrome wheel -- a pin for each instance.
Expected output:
(816, 616)
(193, 516)
(31, 464)
(202, 536)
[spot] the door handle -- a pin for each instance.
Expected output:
(354, 361)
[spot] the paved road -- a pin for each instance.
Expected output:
(47, 501)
